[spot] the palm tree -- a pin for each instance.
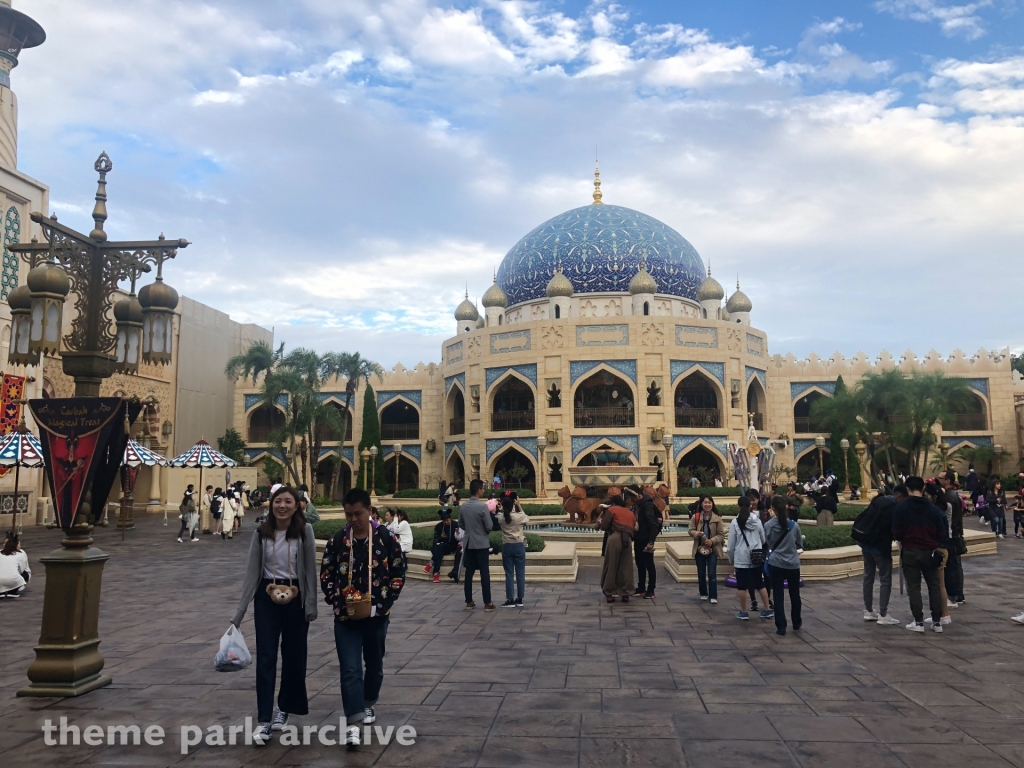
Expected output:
(258, 358)
(285, 381)
(354, 368)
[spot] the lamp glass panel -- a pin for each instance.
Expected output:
(146, 325)
(52, 326)
(158, 334)
(37, 320)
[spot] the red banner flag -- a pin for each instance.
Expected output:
(11, 390)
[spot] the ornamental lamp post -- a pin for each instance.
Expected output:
(373, 472)
(845, 445)
(68, 661)
(542, 443)
(666, 440)
(128, 314)
(398, 464)
(364, 458)
(820, 442)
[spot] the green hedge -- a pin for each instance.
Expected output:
(828, 537)
(432, 493)
(422, 538)
(687, 491)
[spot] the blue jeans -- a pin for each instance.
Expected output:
(513, 558)
(356, 642)
(707, 575)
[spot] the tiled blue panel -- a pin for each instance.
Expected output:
(679, 368)
(761, 375)
(347, 452)
(412, 395)
(450, 381)
(251, 400)
(529, 371)
(798, 388)
(510, 341)
(801, 445)
(583, 367)
(529, 444)
(581, 444)
(696, 336)
(681, 443)
(451, 447)
(608, 335)
(977, 442)
(414, 451)
(981, 385)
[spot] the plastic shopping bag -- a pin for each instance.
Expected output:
(234, 653)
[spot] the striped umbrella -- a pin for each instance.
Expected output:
(202, 455)
(18, 449)
(136, 455)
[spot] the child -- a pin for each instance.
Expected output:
(1018, 514)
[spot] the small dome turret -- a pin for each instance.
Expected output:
(642, 282)
(481, 323)
(738, 302)
(20, 298)
(465, 311)
(710, 289)
(494, 296)
(559, 285)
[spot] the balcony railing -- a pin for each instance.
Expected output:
(604, 417)
(969, 422)
(457, 426)
(510, 421)
(259, 434)
(698, 418)
(805, 424)
(399, 431)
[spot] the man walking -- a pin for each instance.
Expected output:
(475, 520)
(872, 530)
(922, 529)
(957, 546)
(349, 572)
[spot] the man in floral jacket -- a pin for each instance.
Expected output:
(374, 557)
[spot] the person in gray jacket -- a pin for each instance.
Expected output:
(281, 575)
(475, 520)
(746, 535)
(784, 541)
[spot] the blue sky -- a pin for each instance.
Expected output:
(345, 169)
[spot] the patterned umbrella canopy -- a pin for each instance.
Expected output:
(202, 455)
(136, 455)
(20, 449)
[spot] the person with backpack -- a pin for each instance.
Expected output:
(872, 530)
(217, 511)
(746, 553)
(784, 541)
(188, 516)
(921, 529)
(649, 521)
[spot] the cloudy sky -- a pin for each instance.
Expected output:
(345, 167)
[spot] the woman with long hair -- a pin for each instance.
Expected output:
(281, 575)
(784, 541)
(14, 570)
(996, 500)
(708, 534)
(746, 553)
(513, 548)
(398, 524)
(189, 518)
(938, 497)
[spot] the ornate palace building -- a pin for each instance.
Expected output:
(603, 331)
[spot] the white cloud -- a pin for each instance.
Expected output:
(953, 19)
(994, 87)
(217, 97)
(702, 64)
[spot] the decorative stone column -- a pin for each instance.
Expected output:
(865, 472)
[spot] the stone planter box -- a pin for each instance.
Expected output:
(817, 565)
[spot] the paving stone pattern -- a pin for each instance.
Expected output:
(568, 681)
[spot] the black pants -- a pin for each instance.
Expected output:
(778, 576)
(645, 568)
(917, 563)
(439, 550)
(477, 560)
(285, 624)
(954, 575)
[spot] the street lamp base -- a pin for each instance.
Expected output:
(68, 661)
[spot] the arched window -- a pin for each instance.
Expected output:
(697, 464)
(604, 400)
(456, 471)
(558, 311)
(756, 403)
(696, 403)
(333, 478)
(809, 465)
(499, 319)
(805, 423)
(456, 412)
(330, 433)
(647, 308)
(513, 406)
(262, 422)
(408, 473)
(515, 469)
(399, 421)
(970, 416)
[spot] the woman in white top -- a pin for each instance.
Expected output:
(398, 524)
(229, 507)
(14, 570)
(746, 535)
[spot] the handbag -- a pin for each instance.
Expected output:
(282, 594)
(757, 557)
(359, 605)
(960, 545)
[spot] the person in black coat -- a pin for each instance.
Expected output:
(445, 542)
(649, 521)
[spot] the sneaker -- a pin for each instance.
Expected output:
(1001, 536)
(743, 616)
(713, 601)
(427, 568)
(937, 627)
(470, 606)
(352, 736)
(768, 614)
(888, 620)
(180, 541)
(945, 621)
(519, 602)
(1019, 618)
(280, 720)
(703, 597)
(870, 616)
(509, 604)
(649, 596)
(371, 716)
(262, 735)
(490, 607)
(929, 620)
(437, 578)
(195, 539)
(915, 627)
(951, 604)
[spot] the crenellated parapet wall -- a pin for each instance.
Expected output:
(957, 364)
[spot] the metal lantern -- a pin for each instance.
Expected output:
(49, 286)
(20, 301)
(128, 314)
(158, 301)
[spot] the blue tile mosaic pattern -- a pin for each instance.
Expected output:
(348, 453)
(680, 368)
(510, 341)
(449, 382)
(412, 395)
(253, 400)
(958, 442)
(580, 368)
(682, 443)
(528, 371)
(600, 248)
(696, 336)
(801, 445)
(415, 451)
(450, 448)
(581, 444)
(11, 261)
(602, 335)
(528, 444)
(981, 385)
(798, 388)
(761, 375)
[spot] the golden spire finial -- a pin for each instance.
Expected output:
(597, 184)
(737, 281)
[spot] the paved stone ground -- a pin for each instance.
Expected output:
(568, 681)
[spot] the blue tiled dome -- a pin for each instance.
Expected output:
(600, 248)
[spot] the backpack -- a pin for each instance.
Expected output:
(873, 526)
